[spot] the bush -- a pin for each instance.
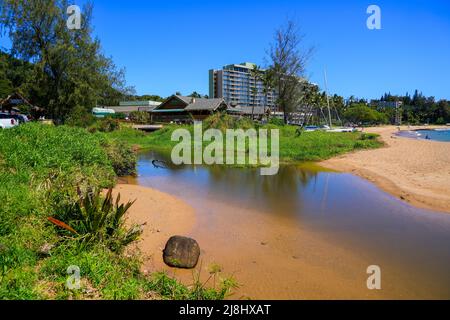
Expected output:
(244, 123)
(440, 120)
(119, 115)
(172, 289)
(368, 136)
(140, 117)
(276, 121)
(94, 219)
(79, 117)
(122, 157)
(107, 124)
(223, 121)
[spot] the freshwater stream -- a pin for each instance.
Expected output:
(308, 232)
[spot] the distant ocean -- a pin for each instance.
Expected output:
(437, 134)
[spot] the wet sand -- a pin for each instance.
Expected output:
(270, 257)
(163, 216)
(415, 171)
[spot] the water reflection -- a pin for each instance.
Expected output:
(282, 193)
(350, 210)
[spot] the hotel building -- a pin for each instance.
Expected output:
(236, 85)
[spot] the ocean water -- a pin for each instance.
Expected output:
(436, 134)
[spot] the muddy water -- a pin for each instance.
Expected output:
(308, 233)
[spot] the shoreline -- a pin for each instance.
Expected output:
(306, 261)
(270, 257)
(413, 170)
(163, 215)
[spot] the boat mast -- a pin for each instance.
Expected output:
(328, 98)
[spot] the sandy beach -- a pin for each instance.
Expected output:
(163, 215)
(415, 171)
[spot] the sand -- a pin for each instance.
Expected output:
(163, 215)
(275, 259)
(271, 258)
(415, 171)
(259, 252)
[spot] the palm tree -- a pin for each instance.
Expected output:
(267, 87)
(256, 74)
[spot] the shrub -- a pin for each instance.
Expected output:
(223, 121)
(368, 136)
(122, 157)
(108, 124)
(140, 117)
(440, 120)
(96, 219)
(119, 115)
(79, 117)
(276, 121)
(172, 289)
(244, 123)
(219, 120)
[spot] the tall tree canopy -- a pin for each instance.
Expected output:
(69, 73)
(5, 83)
(287, 66)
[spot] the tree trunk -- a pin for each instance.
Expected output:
(285, 114)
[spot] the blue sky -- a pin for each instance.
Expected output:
(169, 46)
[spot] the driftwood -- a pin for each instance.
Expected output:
(159, 166)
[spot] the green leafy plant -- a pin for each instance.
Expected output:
(107, 124)
(100, 219)
(198, 290)
(140, 117)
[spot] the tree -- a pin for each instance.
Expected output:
(5, 84)
(287, 67)
(256, 75)
(145, 97)
(267, 82)
(419, 108)
(195, 94)
(360, 113)
(443, 112)
(69, 71)
(14, 74)
(338, 102)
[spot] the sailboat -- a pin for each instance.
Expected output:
(330, 127)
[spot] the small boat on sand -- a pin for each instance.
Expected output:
(346, 129)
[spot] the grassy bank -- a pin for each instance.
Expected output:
(43, 172)
(294, 146)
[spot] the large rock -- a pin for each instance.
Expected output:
(181, 252)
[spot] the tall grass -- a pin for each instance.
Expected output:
(308, 146)
(40, 169)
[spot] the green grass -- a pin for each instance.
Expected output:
(294, 148)
(320, 145)
(40, 169)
